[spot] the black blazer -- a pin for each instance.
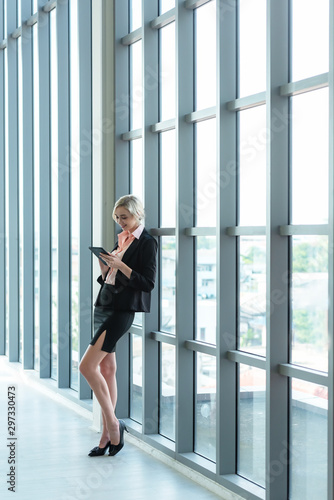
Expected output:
(134, 293)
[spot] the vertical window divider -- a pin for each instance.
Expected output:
(2, 192)
(277, 402)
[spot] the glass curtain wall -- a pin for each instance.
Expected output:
(241, 326)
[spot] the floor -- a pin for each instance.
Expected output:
(51, 461)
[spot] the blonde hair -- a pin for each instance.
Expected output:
(132, 204)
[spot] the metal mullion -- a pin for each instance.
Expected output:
(64, 241)
(32, 20)
(132, 37)
(248, 102)
(163, 126)
(200, 231)
(227, 164)
(3, 44)
(166, 338)
(163, 20)
(43, 27)
(150, 47)
(85, 180)
(246, 358)
(201, 115)
(132, 135)
(306, 85)
(246, 230)
(13, 186)
(194, 4)
(277, 406)
(163, 231)
(304, 230)
(202, 347)
(184, 428)
(52, 4)
(16, 33)
(2, 193)
(312, 376)
(28, 192)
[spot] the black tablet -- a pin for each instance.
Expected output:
(97, 250)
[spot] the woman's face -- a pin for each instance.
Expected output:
(125, 219)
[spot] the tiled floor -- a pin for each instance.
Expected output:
(52, 461)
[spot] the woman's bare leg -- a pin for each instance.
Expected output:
(89, 367)
(108, 370)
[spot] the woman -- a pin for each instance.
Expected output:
(126, 280)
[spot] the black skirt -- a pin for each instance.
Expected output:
(115, 323)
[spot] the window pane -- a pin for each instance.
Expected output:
(168, 179)
(251, 424)
(206, 321)
(167, 71)
(206, 175)
(135, 14)
(308, 441)
(205, 55)
(136, 86)
(310, 158)
(137, 174)
(167, 292)
(167, 392)
(20, 181)
(252, 289)
(166, 5)
(252, 43)
(310, 38)
(252, 156)
(205, 411)
(136, 388)
(310, 301)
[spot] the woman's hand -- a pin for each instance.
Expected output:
(112, 260)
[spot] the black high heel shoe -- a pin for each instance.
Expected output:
(114, 449)
(97, 451)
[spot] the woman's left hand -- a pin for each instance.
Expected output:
(112, 260)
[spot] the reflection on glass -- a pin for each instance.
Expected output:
(167, 292)
(20, 179)
(206, 173)
(136, 389)
(36, 190)
(206, 289)
(136, 86)
(167, 392)
(310, 157)
(252, 298)
(308, 441)
(167, 72)
(252, 46)
(310, 301)
(54, 192)
(251, 424)
(135, 14)
(75, 193)
(205, 406)
(168, 179)
(166, 5)
(310, 38)
(252, 157)
(136, 173)
(205, 56)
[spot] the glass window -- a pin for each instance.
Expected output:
(168, 179)
(167, 284)
(308, 441)
(206, 289)
(136, 86)
(205, 55)
(167, 392)
(135, 14)
(205, 406)
(310, 38)
(137, 173)
(136, 387)
(167, 72)
(252, 157)
(206, 173)
(20, 179)
(251, 424)
(54, 190)
(252, 46)
(310, 157)
(166, 5)
(310, 301)
(252, 295)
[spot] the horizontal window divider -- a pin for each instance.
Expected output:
(17, 33)
(304, 230)
(136, 329)
(163, 231)
(132, 37)
(200, 231)
(306, 85)
(132, 135)
(306, 374)
(163, 126)
(3, 44)
(193, 4)
(202, 114)
(198, 346)
(251, 101)
(166, 18)
(32, 20)
(246, 231)
(50, 6)
(247, 358)
(167, 338)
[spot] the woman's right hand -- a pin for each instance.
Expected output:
(104, 268)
